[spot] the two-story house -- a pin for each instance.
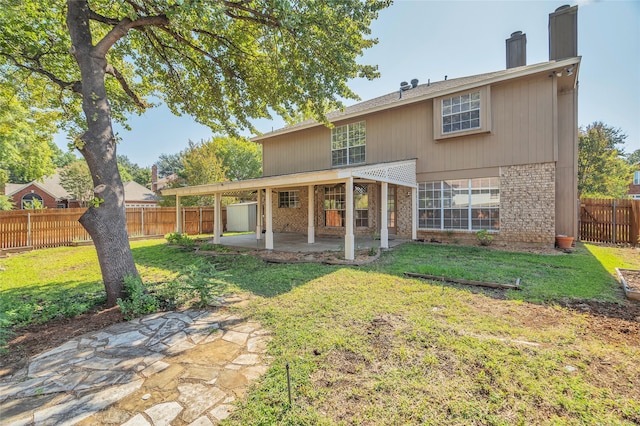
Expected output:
(495, 151)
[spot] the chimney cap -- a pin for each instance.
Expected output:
(516, 33)
(563, 7)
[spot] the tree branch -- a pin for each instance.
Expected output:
(74, 86)
(258, 17)
(125, 86)
(104, 19)
(215, 59)
(123, 27)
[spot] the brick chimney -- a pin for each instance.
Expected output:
(516, 50)
(563, 33)
(154, 178)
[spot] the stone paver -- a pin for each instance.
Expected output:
(187, 366)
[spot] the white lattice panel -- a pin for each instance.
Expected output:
(403, 173)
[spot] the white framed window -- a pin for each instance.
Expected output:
(636, 178)
(463, 204)
(348, 144)
(461, 112)
(288, 199)
(361, 200)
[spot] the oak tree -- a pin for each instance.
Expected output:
(602, 169)
(225, 62)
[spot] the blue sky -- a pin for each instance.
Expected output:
(431, 39)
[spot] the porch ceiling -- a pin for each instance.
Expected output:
(397, 172)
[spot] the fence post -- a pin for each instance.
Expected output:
(200, 222)
(579, 236)
(613, 221)
(142, 219)
(28, 229)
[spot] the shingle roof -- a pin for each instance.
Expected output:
(50, 184)
(133, 191)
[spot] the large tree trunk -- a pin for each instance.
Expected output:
(106, 222)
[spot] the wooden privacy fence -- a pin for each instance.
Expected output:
(609, 221)
(60, 227)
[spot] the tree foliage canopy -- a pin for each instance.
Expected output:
(223, 62)
(602, 169)
(75, 178)
(26, 147)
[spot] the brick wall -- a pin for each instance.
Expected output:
(291, 219)
(527, 203)
(48, 201)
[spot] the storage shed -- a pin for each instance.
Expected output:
(241, 217)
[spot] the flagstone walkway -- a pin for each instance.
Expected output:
(179, 368)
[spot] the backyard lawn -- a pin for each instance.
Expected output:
(367, 345)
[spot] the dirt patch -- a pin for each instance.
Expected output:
(34, 339)
(612, 322)
(327, 257)
(632, 278)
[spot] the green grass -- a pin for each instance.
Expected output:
(579, 275)
(372, 348)
(367, 345)
(41, 285)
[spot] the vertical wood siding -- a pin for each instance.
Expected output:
(521, 133)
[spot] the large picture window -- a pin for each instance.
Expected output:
(464, 204)
(348, 144)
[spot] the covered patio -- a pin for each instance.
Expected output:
(400, 173)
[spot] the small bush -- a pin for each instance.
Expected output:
(180, 239)
(138, 301)
(484, 238)
(199, 280)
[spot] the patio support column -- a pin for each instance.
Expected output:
(384, 211)
(217, 220)
(349, 240)
(311, 230)
(414, 213)
(259, 216)
(268, 212)
(178, 216)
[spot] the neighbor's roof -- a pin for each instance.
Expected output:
(49, 184)
(133, 191)
(427, 91)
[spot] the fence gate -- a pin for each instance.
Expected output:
(609, 221)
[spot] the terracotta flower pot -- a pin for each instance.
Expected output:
(564, 242)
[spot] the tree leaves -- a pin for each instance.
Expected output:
(602, 169)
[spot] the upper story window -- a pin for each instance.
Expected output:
(461, 112)
(636, 178)
(348, 144)
(288, 199)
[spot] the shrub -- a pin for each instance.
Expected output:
(199, 280)
(138, 301)
(484, 238)
(180, 239)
